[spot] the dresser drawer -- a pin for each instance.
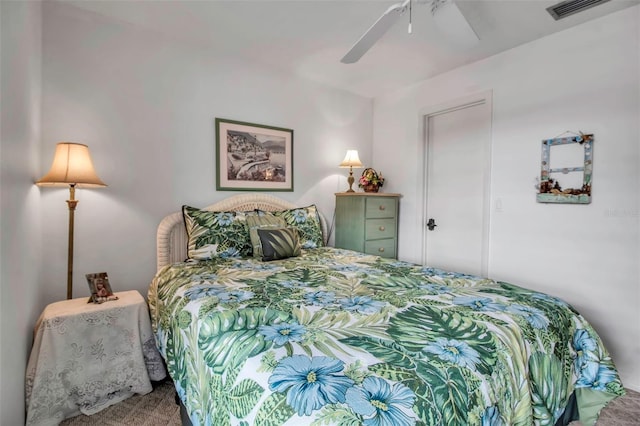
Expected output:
(383, 248)
(376, 229)
(380, 207)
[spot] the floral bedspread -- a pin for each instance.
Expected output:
(335, 337)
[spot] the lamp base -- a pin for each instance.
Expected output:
(350, 180)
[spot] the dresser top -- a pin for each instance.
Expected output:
(368, 194)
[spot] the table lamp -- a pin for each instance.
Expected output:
(351, 160)
(71, 166)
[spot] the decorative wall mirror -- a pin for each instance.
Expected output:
(562, 177)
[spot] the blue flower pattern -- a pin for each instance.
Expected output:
(595, 375)
(548, 298)
(320, 298)
(454, 351)
(292, 284)
(584, 346)
(300, 216)
(224, 218)
(361, 304)
(484, 304)
(533, 316)
(283, 333)
(309, 244)
(230, 252)
(591, 373)
(234, 296)
(200, 291)
(491, 417)
(382, 404)
(310, 383)
(447, 274)
(206, 278)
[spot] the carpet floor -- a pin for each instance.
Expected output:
(159, 408)
(153, 409)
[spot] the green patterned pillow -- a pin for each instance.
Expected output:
(307, 222)
(279, 243)
(261, 220)
(215, 234)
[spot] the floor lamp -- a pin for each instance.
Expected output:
(351, 160)
(71, 166)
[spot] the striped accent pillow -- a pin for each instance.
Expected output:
(279, 243)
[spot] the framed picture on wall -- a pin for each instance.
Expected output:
(253, 157)
(566, 170)
(100, 288)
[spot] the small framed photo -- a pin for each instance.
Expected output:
(100, 288)
(253, 157)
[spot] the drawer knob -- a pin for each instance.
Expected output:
(381, 249)
(381, 207)
(381, 228)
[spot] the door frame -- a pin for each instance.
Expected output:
(481, 98)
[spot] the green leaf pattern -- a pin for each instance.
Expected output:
(471, 351)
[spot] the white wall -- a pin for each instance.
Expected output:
(583, 79)
(146, 105)
(20, 228)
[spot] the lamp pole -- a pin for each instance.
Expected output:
(72, 202)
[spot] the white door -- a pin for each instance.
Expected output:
(457, 168)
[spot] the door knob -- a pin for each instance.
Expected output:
(431, 224)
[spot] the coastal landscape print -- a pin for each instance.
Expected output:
(253, 157)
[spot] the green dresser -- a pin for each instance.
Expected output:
(367, 222)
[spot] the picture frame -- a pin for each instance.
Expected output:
(566, 170)
(100, 287)
(253, 157)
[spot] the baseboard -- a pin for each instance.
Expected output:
(633, 388)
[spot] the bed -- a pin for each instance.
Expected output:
(324, 336)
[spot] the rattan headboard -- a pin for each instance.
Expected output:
(171, 240)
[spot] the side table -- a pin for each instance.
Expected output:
(87, 356)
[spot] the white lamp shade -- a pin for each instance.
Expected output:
(351, 159)
(72, 165)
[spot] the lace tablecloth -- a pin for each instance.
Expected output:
(87, 356)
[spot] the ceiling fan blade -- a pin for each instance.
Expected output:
(449, 20)
(373, 34)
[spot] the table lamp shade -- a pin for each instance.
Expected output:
(72, 165)
(351, 159)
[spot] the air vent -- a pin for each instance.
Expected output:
(569, 7)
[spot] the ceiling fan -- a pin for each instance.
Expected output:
(447, 17)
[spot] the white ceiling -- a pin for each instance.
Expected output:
(309, 37)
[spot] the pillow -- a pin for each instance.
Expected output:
(307, 222)
(279, 243)
(215, 234)
(261, 220)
